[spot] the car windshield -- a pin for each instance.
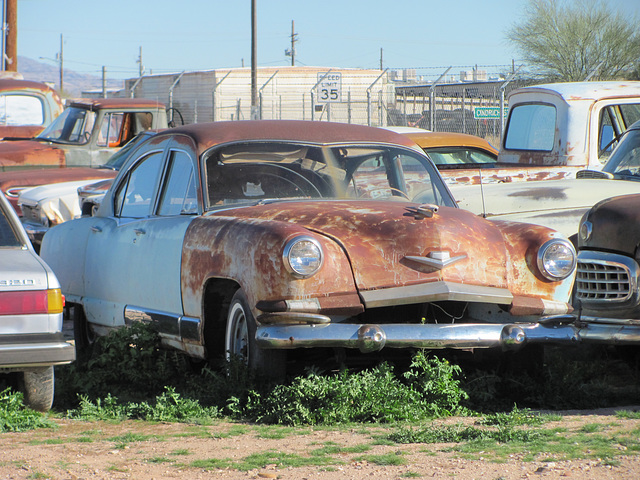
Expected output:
(257, 172)
(73, 126)
(447, 156)
(625, 159)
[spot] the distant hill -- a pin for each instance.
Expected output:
(74, 83)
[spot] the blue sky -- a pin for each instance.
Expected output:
(197, 35)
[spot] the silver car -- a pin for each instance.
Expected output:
(31, 304)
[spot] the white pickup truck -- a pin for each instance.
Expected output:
(554, 131)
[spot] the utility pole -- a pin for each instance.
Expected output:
(104, 82)
(291, 52)
(381, 59)
(293, 44)
(254, 63)
(10, 59)
(60, 59)
(139, 62)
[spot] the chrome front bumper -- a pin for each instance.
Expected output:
(371, 338)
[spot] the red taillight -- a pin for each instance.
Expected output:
(31, 302)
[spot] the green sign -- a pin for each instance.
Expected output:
(483, 113)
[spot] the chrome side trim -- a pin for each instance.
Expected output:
(170, 326)
(433, 292)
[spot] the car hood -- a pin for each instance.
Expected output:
(30, 152)
(558, 204)
(34, 195)
(615, 225)
(389, 244)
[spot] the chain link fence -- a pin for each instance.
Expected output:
(365, 97)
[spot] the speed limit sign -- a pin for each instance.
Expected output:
(329, 88)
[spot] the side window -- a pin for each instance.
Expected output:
(110, 130)
(21, 110)
(630, 113)
(134, 197)
(418, 181)
(8, 237)
(607, 138)
(531, 127)
(179, 191)
(142, 121)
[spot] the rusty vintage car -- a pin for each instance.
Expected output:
(85, 136)
(262, 238)
(26, 107)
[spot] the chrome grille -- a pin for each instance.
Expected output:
(603, 281)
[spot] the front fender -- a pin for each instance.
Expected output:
(524, 278)
(250, 252)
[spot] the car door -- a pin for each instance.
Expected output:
(140, 246)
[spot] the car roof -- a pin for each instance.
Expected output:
(207, 135)
(9, 84)
(96, 103)
(585, 90)
(426, 139)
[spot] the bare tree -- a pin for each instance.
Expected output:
(577, 40)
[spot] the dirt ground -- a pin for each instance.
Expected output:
(140, 450)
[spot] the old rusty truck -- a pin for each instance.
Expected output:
(553, 132)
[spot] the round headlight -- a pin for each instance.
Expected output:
(556, 259)
(303, 256)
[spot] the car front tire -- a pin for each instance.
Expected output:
(240, 341)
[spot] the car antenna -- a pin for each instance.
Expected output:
(484, 208)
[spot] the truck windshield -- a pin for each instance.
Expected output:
(73, 126)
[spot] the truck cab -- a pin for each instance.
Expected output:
(571, 126)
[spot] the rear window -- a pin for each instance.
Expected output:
(531, 127)
(21, 110)
(8, 237)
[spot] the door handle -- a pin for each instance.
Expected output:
(139, 231)
(96, 229)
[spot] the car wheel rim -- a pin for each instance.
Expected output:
(237, 334)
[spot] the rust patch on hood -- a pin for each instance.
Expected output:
(378, 236)
(30, 152)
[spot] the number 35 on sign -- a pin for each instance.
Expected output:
(329, 89)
